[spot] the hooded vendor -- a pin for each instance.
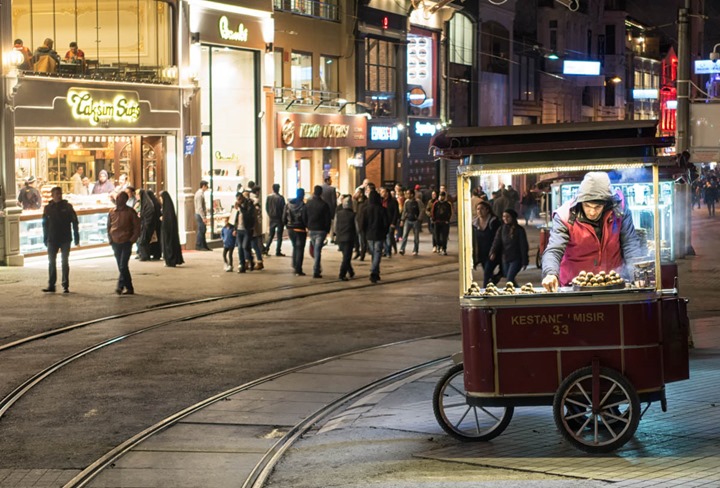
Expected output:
(593, 232)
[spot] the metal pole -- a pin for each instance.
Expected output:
(683, 82)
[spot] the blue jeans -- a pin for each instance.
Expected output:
(415, 226)
(53, 249)
(200, 241)
(243, 239)
(275, 227)
(511, 269)
(317, 241)
(122, 251)
(376, 250)
(298, 243)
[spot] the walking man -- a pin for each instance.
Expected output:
(295, 219)
(201, 218)
(411, 221)
(346, 236)
(275, 208)
(242, 218)
(441, 214)
(60, 225)
(123, 225)
(319, 220)
(329, 196)
(375, 227)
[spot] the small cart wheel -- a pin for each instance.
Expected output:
(605, 428)
(538, 259)
(465, 422)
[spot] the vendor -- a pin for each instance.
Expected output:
(593, 232)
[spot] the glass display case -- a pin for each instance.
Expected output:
(92, 226)
(639, 199)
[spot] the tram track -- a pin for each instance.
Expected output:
(317, 289)
(260, 473)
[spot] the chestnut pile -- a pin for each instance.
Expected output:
(590, 279)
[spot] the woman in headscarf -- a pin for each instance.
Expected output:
(169, 236)
(147, 226)
(155, 247)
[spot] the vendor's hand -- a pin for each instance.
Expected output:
(492, 256)
(550, 283)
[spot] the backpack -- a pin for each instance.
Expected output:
(412, 210)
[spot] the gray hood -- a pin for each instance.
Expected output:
(595, 186)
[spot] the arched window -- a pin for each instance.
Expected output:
(494, 48)
(462, 36)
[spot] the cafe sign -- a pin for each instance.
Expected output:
(102, 107)
(305, 130)
(241, 34)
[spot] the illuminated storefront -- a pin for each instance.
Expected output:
(313, 145)
(385, 139)
(228, 47)
(128, 132)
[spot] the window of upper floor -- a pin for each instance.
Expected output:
(494, 48)
(301, 71)
(461, 36)
(381, 76)
(106, 39)
(322, 9)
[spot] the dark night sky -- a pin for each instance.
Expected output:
(661, 12)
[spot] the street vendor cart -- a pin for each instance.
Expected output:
(595, 350)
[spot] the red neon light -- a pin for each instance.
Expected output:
(385, 23)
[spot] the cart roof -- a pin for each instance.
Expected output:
(558, 143)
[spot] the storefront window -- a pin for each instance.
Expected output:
(229, 108)
(127, 40)
(329, 68)
(380, 76)
(301, 72)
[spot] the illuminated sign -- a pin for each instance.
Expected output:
(706, 67)
(97, 107)
(425, 129)
(671, 104)
(241, 34)
(584, 68)
(384, 133)
(331, 131)
(648, 94)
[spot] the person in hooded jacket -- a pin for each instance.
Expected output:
(148, 226)
(376, 225)
(346, 236)
(510, 246)
(485, 225)
(169, 234)
(123, 227)
(60, 225)
(295, 220)
(319, 221)
(242, 218)
(360, 202)
(592, 232)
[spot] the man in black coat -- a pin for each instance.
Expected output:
(60, 225)
(275, 208)
(393, 212)
(375, 227)
(318, 224)
(346, 236)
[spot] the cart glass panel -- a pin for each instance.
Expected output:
(601, 239)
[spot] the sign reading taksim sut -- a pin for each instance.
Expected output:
(304, 130)
(101, 106)
(240, 35)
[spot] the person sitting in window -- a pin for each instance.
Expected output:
(45, 59)
(26, 65)
(75, 55)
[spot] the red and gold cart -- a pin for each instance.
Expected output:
(594, 356)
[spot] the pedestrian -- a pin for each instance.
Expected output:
(155, 245)
(410, 220)
(441, 215)
(391, 207)
(148, 226)
(60, 226)
(123, 225)
(346, 236)
(485, 225)
(329, 196)
(375, 228)
(499, 202)
(201, 218)
(29, 197)
(242, 218)
(428, 215)
(528, 206)
(169, 234)
(513, 197)
(510, 246)
(275, 207)
(711, 195)
(360, 202)
(228, 245)
(319, 220)
(257, 239)
(295, 219)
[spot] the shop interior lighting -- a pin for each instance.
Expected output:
(63, 139)
(553, 57)
(499, 169)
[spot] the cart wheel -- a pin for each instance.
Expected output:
(462, 421)
(538, 259)
(604, 430)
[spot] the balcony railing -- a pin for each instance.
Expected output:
(123, 72)
(310, 8)
(308, 98)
